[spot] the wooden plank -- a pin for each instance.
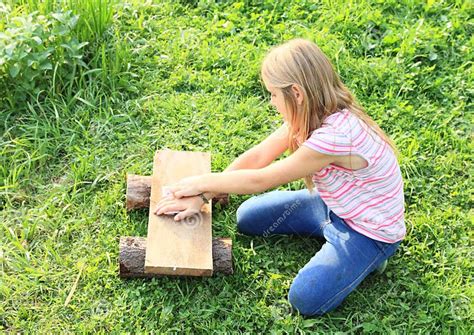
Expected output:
(178, 247)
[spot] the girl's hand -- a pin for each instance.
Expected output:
(186, 187)
(187, 206)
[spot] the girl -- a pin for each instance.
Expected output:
(358, 203)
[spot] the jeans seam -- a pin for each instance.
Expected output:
(349, 285)
(326, 222)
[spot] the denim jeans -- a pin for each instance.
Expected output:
(344, 260)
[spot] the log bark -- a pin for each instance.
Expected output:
(139, 188)
(138, 191)
(133, 249)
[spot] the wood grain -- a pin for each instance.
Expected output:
(178, 247)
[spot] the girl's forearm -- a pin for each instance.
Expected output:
(244, 181)
(247, 160)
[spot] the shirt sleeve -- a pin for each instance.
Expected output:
(329, 141)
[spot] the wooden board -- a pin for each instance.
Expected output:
(178, 247)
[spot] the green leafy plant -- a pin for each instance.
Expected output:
(37, 54)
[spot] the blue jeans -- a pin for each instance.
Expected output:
(333, 272)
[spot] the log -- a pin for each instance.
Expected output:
(139, 189)
(133, 250)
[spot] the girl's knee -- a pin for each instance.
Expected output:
(244, 218)
(308, 300)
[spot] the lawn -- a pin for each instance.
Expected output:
(89, 95)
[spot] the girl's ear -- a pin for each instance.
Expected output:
(298, 93)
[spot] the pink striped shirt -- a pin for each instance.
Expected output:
(370, 200)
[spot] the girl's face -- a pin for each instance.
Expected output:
(277, 100)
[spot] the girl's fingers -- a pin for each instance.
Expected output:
(167, 209)
(163, 203)
(181, 191)
(183, 215)
(178, 194)
(172, 188)
(170, 208)
(185, 193)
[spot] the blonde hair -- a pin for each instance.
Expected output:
(300, 62)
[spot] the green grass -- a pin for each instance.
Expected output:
(184, 75)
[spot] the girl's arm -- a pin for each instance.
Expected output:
(257, 157)
(301, 163)
(260, 155)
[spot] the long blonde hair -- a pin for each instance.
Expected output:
(300, 62)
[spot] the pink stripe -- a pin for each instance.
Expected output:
(352, 204)
(325, 173)
(359, 134)
(331, 180)
(371, 180)
(396, 216)
(375, 204)
(378, 225)
(321, 148)
(393, 218)
(392, 169)
(335, 144)
(362, 140)
(382, 204)
(383, 169)
(368, 233)
(363, 203)
(381, 153)
(345, 117)
(340, 189)
(334, 118)
(362, 197)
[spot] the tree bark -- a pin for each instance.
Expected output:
(133, 250)
(139, 188)
(138, 191)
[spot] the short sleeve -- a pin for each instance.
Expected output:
(329, 141)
